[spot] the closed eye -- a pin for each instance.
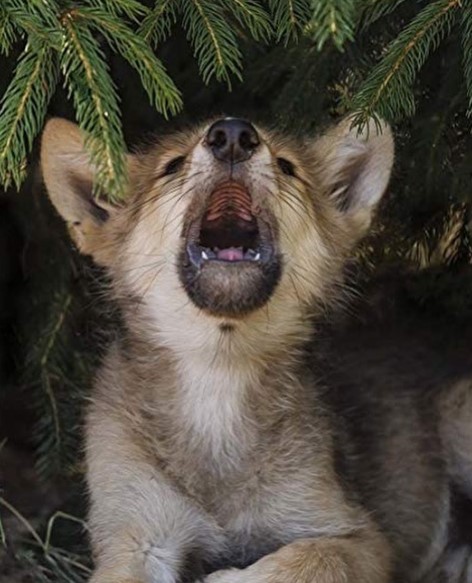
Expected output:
(286, 166)
(174, 166)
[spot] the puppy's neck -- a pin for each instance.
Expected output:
(224, 371)
(244, 348)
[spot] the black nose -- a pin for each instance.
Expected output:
(232, 140)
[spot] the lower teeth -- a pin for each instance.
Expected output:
(252, 255)
(207, 254)
(249, 255)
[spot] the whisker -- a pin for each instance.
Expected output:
(177, 184)
(145, 266)
(141, 300)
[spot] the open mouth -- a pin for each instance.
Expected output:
(230, 264)
(229, 230)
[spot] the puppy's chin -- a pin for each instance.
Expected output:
(229, 289)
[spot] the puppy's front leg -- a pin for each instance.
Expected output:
(143, 528)
(358, 558)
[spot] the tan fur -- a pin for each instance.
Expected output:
(208, 442)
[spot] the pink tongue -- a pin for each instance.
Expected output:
(230, 254)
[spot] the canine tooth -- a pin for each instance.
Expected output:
(204, 255)
(257, 257)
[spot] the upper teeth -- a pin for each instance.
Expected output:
(257, 257)
(204, 255)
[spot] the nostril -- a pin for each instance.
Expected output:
(217, 139)
(248, 140)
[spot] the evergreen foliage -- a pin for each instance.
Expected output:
(388, 91)
(65, 38)
(120, 67)
(333, 19)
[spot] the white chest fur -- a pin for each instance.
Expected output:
(213, 412)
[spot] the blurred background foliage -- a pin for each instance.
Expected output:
(128, 69)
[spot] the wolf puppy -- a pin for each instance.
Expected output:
(213, 453)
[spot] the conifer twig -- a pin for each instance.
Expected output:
(157, 24)
(160, 88)
(213, 41)
(96, 103)
(289, 18)
(332, 19)
(387, 89)
(23, 108)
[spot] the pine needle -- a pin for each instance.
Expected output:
(52, 521)
(132, 9)
(48, 564)
(24, 521)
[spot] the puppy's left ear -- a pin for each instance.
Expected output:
(354, 168)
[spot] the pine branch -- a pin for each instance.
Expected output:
(23, 108)
(8, 33)
(132, 9)
(387, 91)
(160, 88)
(36, 18)
(41, 11)
(376, 9)
(54, 372)
(332, 19)
(157, 25)
(289, 18)
(46, 372)
(213, 41)
(45, 368)
(252, 15)
(96, 104)
(467, 50)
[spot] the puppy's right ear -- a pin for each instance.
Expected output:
(69, 178)
(355, 168)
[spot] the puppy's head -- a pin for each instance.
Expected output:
(227, 217)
